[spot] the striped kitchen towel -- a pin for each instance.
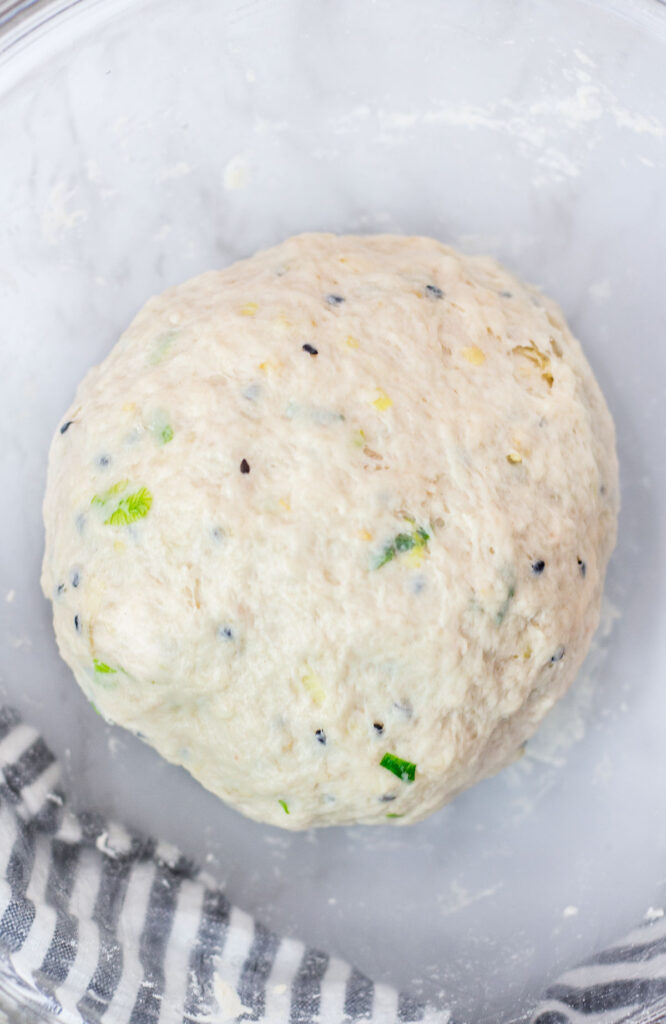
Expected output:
(96, 924)
(99, 925)
(624, 984)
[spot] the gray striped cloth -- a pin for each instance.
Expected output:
(99, 925)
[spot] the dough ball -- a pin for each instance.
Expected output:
(329, 527)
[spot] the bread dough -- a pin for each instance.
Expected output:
(329, 527)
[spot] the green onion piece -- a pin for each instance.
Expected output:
(395, 815)
(134, 506)
(402, 542)
(405, 770)
(386, 556)
(102, 499)
(102, 667)
(501, 614)
(283, 805)
(162, 347)
(160, 427)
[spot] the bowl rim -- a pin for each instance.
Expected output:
(20, 19)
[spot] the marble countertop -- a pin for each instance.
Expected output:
(142, 146)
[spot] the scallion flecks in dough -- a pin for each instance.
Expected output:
(338, 511)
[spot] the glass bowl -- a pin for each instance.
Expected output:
(144, 141)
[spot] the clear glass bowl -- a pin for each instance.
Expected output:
(143, 142)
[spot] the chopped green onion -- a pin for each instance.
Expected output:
(395, 815)
(284, 806)
(134, 506)
(418, 539)
(102, 667)
(160, 427)
(102, 499)
(386, 556)
(405, 770)
(129, 509)
(162, 346)
(501, 614)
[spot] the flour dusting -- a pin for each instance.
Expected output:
(229, 1005)
(459, 897)
(58, 217)
(566, 114)
(235, 173)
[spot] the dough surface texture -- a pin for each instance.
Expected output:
(329, 527)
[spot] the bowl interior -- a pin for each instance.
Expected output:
(144, 143)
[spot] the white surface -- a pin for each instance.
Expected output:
(532, 130)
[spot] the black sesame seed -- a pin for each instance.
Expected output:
(506, 295)
(77, 624)
(538, 567)
(559, 654)
(433, 292)
(245, 466)
(75, 579)
(387, 797)
(60, 589)
(334, 300)
(226, 632)
(65, 427)
(321, 736)
(103, 461)
(311, 350)
(582, 566)
(378, 727)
